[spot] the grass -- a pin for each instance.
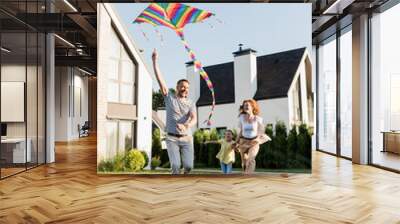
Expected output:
(208, 170)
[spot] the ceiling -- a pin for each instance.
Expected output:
(75, 22)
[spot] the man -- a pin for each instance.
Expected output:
(181, 116)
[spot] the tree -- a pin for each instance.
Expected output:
(156, 143)
(158, 99)
(292, 150)
(304, 144)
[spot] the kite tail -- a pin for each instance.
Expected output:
(202, 73)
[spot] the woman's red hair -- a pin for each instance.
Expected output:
(254, 105)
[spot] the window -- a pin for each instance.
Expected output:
(125, 133)
(327, 95)
(346, 93)
(121, 107)
(121, 74)
(297, 116)
(385, 89)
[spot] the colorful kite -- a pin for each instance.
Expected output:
(176, 16)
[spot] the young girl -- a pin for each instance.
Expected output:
(226, 154)
(251, 134)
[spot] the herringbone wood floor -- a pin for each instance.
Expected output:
(70, 191)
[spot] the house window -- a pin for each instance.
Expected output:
(121, 74)
(297, 117)
(121, 97)
(119, 136)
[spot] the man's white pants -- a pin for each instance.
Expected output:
(180, 149)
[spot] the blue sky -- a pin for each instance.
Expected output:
(266, 28)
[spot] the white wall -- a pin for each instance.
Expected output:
(300, 75)
(245, 72)
(194, 79)
(275, 109)
(67, 112)
(106, 14)
(162, 114)
(226, 115)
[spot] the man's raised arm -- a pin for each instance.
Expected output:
(160, 79)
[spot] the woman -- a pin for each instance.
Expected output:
(251, 134)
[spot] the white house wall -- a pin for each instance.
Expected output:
(107, 16)
(226, 115)
(273, 110)
(245, 72)
(144, 104)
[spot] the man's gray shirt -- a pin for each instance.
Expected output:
(178, 112)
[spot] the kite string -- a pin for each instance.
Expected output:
(203, 74)
(144, 34)
(159, 36)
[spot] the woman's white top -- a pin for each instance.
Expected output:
(250, 129)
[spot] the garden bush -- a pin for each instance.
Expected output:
(119, 163)
(156, 143)
(105, 166)
(164, 157)
(304, 144)
(155, 162)
(146, 158)
(212, 151)
(292, 148)
(166, 165)
(135, 160)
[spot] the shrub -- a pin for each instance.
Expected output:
(135, 160)
(304, 144)
(266, 149)
(156, 143)
(197, 142)
(105, 166)
(280, 144)
(166, 165)
(238, 161)
(292, 148)
(164, 156)
(119, 163)
(235, 134)
(146, 158)
(212, 150)
(155, 162)
(214, 134)
(206, 135)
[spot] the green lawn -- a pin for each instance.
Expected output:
(212, 171)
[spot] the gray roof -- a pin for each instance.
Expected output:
(275, 73)
(222, 77)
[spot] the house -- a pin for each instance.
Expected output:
(124, 87)
(280, 82)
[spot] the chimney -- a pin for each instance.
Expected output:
(194, 80)
(245, 71)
